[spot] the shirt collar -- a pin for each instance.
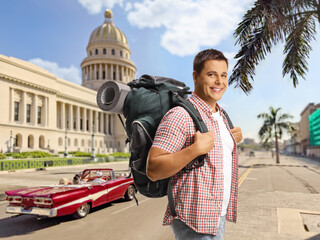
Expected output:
(203, 106)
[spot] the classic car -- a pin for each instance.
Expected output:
(75, 199)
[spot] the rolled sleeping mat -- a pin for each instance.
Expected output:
(111, 96)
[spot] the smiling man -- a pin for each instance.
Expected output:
(205, 196)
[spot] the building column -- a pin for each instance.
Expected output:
(23, 108)
(45, 112)
(100, 71)
(101, 122)
(127, 75)
(63, 116)
(84, 121)
(82, 69)
(106, 124)
(11, 105)
(95, 72)
(70, 117)
(112, 72)
(117, 72)
(35, 110)
(106, 70)
(77, 118)
(90, 120)
(111, 119)
(122, 74)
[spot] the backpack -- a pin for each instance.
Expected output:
(148, 101)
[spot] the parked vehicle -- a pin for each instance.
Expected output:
(75, 199)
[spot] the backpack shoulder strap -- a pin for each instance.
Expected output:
(194, 113)
(228, 118)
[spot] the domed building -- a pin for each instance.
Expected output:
(41, 111)
(108, 56)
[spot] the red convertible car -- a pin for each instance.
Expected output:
(96, 187)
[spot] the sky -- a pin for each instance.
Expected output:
(164, 36)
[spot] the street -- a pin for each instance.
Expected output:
(264, 189)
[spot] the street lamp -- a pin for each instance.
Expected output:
(66, 144)
(92, 143)
(10, 144)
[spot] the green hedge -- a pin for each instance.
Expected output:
(34, 154)
(120, 154)
(7, 165)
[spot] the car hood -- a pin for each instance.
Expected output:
(43, 190)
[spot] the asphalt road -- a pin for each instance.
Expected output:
(113, 221)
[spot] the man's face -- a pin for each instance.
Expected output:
(212, 82)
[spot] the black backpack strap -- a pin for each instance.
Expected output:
(228, 118)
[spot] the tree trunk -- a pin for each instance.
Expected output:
(277, 150)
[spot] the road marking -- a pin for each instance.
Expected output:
(123, 209)
(246, 173)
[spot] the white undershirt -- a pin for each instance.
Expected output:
(227, 145)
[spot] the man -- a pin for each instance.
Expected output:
(206, 195)
(99, 179)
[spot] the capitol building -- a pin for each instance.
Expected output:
(40, 111)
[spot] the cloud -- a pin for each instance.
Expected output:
(189, 24)
(95, 6)
(71, 73)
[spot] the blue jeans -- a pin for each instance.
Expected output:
(183, 232)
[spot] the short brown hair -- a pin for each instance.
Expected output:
(205, 55)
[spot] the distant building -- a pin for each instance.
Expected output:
(249, 141)
(304, 126)
(40, 111)
(293, 145)
(314, 127)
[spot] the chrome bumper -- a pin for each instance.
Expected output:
(49, 212)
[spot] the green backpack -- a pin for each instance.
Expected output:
(148, 101)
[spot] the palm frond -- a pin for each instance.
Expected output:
(298, 46)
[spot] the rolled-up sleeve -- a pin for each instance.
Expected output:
(171, 132)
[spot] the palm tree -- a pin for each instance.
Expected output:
(274, 126)
(267, 23)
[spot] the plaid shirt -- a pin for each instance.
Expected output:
(198, 194)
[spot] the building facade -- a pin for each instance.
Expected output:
(304, 126)
(40, 111)
(314, 124)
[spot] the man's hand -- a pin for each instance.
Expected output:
(237, 134)
(203, 142)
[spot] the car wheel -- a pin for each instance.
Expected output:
(130, 193)
(82, 211)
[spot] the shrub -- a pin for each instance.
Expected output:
(2, 156)
(82, 154)
(120, 154)
(101, 155)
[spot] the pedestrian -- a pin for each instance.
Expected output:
(204, 196)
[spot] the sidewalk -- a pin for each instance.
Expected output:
(278, 201)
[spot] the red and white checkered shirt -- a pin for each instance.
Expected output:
(198, 194)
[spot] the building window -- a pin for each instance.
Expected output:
(120, 53)
(113, 52)
(90, 53)
(28, 113)
(104, 51)
(96, 51)
(16, 111)
(81, 124)
(120, 76)
(39, 115)
(103, 75)
(74, 123)
(87, 125)
(60, 141)
(114, 75)
(97, 75)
